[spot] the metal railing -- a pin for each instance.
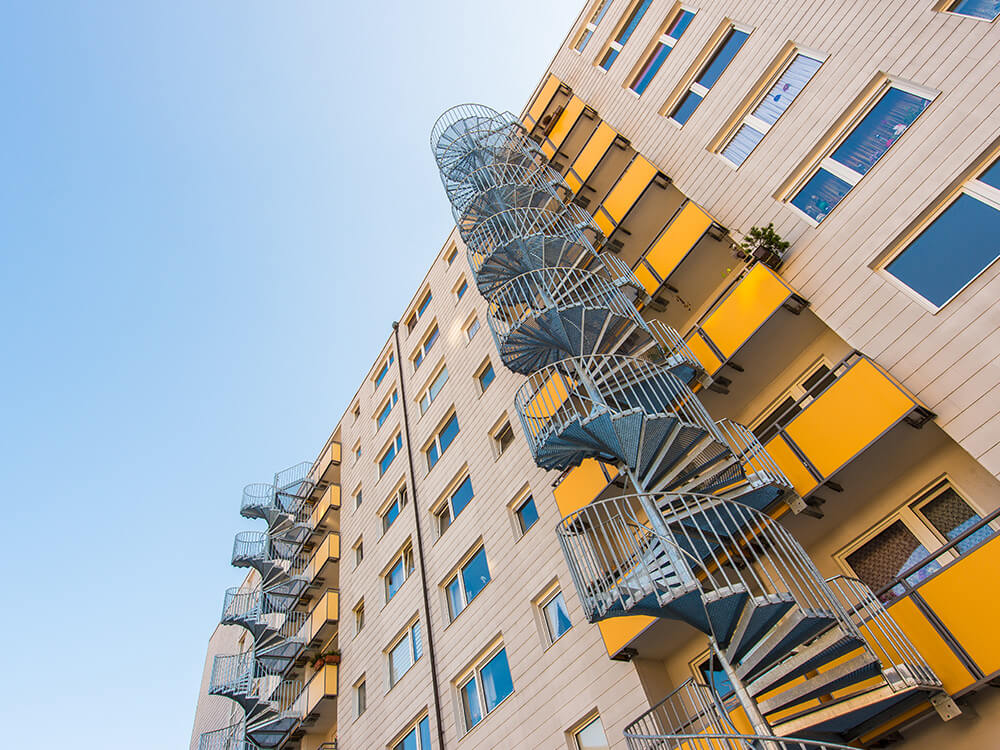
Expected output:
(232, 737)
(512, 171)
(513, 228)
(293, 478)
(242, 605)
(759, 467)
(233, 673)
(725, 741)
(674, 348)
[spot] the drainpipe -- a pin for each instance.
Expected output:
(419, 539)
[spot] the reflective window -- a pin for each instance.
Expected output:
(466, 584)
(486, 689)
(405, 653)
(717, 64)
(588, 31)
(592, 736)
(638, 11)
(988, 9)
(384, 413)
(442, 440)
(526, 514)
(390, 453)
(659, 53)
(556, 616)
(433, 390)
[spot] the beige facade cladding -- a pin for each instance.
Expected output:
(948, 358)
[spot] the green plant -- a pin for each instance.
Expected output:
(764, 244)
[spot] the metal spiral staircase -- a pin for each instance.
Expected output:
(254, 678)
(691, 542)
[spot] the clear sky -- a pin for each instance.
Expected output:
(210, 213)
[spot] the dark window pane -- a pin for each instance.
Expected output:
(879, 129)
(722, 58)
(448, 432)
(609, 57)
(687, 107)
(952, 517)
(425, 734)
(780, 416)
(880, 561)
(497, 684)
(527, 514)
(475, 574)
(650, 69)
(992, 175)
(820, 195)
(716, 678)
(951, 252)
(680, 24)
(633, 21)
(462, 496)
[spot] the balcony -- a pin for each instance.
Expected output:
(324, 516)
(823, 431)
(320, 698)
(321, 623)
(553, 95)
(232, 737)
(326, 471)
(552, 138)
(323, 560)
(279, 715)
(280, 565)
(285, 513)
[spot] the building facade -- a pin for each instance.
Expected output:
(711, 362)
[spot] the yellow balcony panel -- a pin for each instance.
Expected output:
(324, 515)
(541, 103)
(941, 659)
(597, 146)
(860, 406)
(326, 554)
(700, 348)
(581, 485)
(633, 181)
(322, 619)
(327, 467)
(567, 119)
(963, 598)
(321, 687)
(674, 243)
(740, 314)
(619, 632)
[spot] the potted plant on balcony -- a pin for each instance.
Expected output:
(763, 244)
(327, 657)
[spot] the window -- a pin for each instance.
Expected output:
(892, 111)
(770, 107)
(938, 516)
(526, 514)
(441, 441)
(556, 616)
(600, 8)
(418, 738)
(455, 502)
(356, 412)
(391, 513)
(383, 413)
(357, 498)
(359, 617)
(357, 451)
(668, 39)
(384, 370)
(385, 460)
(591, 736)
(485, 376)
(359, 552)
(462, 288)
(711, 673)
(431, 392)
(485, 688)
(425, 347)
(411, 322)
(625, 29)
(468, 581)
(957, 246)
(398, 572)
(472, 328)
(814, 382)
(452, 254)
(710, 73)
(404, 653)
(986, 9)
(360, 697)
(503, 436)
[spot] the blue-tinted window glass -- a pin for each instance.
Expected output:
(879, 129)
(609, 57)
(680, 24)
(396, 578)
(448, 432)
(786, 88)
(425, 733)
(461, 289)
(391, 514)
(384, 414)
(432, 455)
(470, 703)
(497, 683)
(475, 574)
(527, 514)
(389, 455)
(557, 616)
(423, 304)
(686, 108)
(633, 21)
(409, 742)
(739, 148)
(655, 60)
(418, 643)
(717, 679)
(988, 9)
(951, 252)
(820, 195)
(720, 61)
(381, 374)
(486, 377)
(454, 593)
(992, 175)
(461, 497)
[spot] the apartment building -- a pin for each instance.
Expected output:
(689, 436)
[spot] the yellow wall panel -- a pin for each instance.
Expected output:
(800, 477)
(618, 632)
(629, 187)
(549, 398)
(581, 485)
(594, 151)
(648, 281)
(605, 222)
(542, 101)
(931, 646)
(964, 597)
(747, 307)
(703, 353)
(677, 239)
(848, 416)
(566, 121)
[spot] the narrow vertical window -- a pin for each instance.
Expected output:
(709, 75)
(556, 616)
(526, 514)
(591, 26)
(625, 30)
(663, 46)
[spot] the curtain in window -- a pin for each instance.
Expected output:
(952, 516)
(891, 552)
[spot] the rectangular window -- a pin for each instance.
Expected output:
(710, 673)
(454, 504)
(404, 653)
(357, 498)
(385, 460)
(710, 73)
(357, 451)
(771, 106)
(399, 571)
(985, 9)
(668, 39)
(958, 245)
(422, 307)
(466, 584)
(485, 688)
(592, 736)
(556, 616)
(386, 408)
(815, 381)
(891, 113)
(625, 29)
(356, 411)
(359, 617)
(600, 8)
(472, 329)
(502, 438)
(418, 738)
(526, 514)
(428, 396)
(392, 512)
(359, 552)
(425, 347)
(452, 254)
(462, 288)
(384, 370)
(441, 441)
(360, 697)
(485, 376)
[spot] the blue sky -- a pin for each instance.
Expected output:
(210, 214)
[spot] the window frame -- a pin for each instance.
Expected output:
(652, 49)
(457, 575)
(359, 617)
(435, 440)
(795, 391)
(486, 365)
(385, 409)
(447, 502)
(621, 35)
(384, 369)
(515, 506)
(413, 728)
(397, 499)
(691, 85)
(460, 288)
(360, 696)
(407, 634)
(404, 557)
(471, 328)
(450, 256)
(551, 594)
(426, 344)
(503, 425)
(417, 313)
(577, 729)
(583, 37)
(359, 551)
(394, 446)
(947, 6)
(474, 672)
(431, 381)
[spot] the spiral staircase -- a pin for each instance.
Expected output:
(816, 658)
(255, 678)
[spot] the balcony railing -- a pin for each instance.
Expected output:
(232, 737)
